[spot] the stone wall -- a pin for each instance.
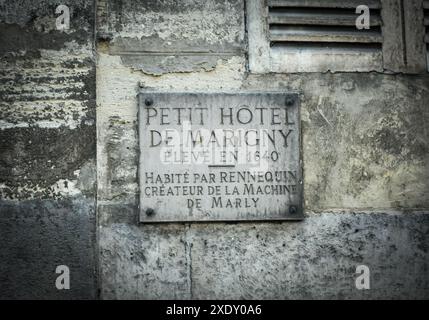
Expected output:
(366, 170)
(365, 150)
(47, 150)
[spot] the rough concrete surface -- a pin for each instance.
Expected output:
(39, 235)
(313, 259)
(47, 157)
(69, 163)
(366, 166)
(159, 37)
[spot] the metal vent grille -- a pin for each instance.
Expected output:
(322, 24)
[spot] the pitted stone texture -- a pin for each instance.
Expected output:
(30, 25)
(175, 25)
(315, 259)
(159, 37)
(47, 100)
(47, 150)
(149, 262)
(364, 146)
(39, 235)
(365, 143)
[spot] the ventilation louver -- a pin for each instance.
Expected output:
(327, 24)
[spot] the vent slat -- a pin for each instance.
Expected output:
(319, 35)
(322, 21)
(372, 4)
(318, 19)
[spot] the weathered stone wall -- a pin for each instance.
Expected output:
(365, 151)
(47, 150)
(366, 169)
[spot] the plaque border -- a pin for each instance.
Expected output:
(300, 213)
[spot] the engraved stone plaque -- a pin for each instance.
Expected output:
(219, 156)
